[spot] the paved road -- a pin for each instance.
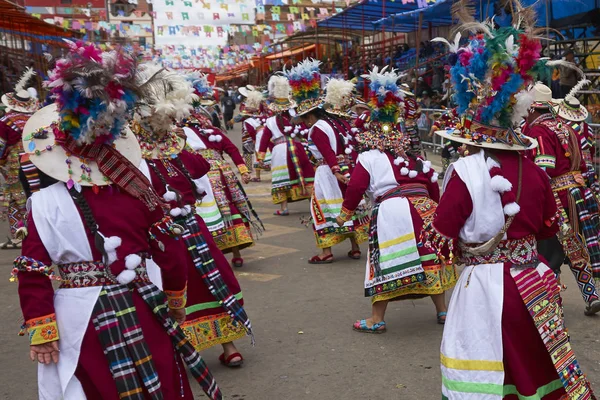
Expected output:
(302, 316)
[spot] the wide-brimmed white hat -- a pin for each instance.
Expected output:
(571, 109)
(50, 158)
(22, 100)
(477, 134)
(542, 96)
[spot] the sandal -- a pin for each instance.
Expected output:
(354, 254)
(592, 308)
(231, 364)
(318, 260)
(279, 212)
(237, 262)
(10, 245)
(441, 317)
(361, 326)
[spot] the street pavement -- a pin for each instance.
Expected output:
(302, 317)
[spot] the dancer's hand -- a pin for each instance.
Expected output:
(339, 220)
(246, 177)
(44, 353)
(178, 315)
(341, 178)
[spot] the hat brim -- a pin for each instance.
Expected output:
(277, 108)
(53, 163)
(449, 134)
(207, 103)
(576, 116)
(35, 106)
(243, 91)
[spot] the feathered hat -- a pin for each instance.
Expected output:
(339, 97)
(379, 129)
(305, 80)
(279, 94)
(252, 105)
(570, 108)
(94, 93)
(491, 77)
(202, 88)
(22, 100)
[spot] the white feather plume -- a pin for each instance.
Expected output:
(339, 92)
(253, 99)
(279, 87)
(566, 64)
(573, 92)
(452, 46)
(27, 75)
(525, 99)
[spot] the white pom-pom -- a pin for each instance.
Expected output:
(218, 138)
(412, 174)
(287, 129)
(170, 196)
(500, 184)
(397, 161)
(297, 129)
(111, 243)
(293, 135)
(434, 177)
(175, 212)
(404, 171)
(512, 209)
(132, 261)
(354, 130)
(209, 130)
(491, 163)
(185, 210)
(426, 169)
(427, 164)
(348, 150)
(126, 276)
(212, 138)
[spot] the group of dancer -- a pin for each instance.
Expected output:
(131, 199)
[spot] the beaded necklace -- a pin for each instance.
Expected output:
(156, 145)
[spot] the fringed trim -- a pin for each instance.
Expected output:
(176, 299)
(346, 215)
(41, 330)
(166, 226)
(26, 264)
(438, 242)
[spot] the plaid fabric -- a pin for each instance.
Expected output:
(120, 334)
(589, 224)
(399, 191)
(157, 301)
(206, 267)
(31, 172)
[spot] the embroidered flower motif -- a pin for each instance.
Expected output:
(49, 333)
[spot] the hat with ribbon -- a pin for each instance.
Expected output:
(22, 100)
(570, 108)
(280, 93)
(305, 81)
(83, 139)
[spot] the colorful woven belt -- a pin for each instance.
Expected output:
(94, 273)
(279, 140)
(567, 181)
(515, 251)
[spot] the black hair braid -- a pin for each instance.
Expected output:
(188, 176)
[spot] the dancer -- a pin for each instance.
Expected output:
(451, 150)
(292, 174)
(230, 226)
(404, 191)
(504, 336)
(108, 332)
(328, 138)
(560, 155)
(412, 112)
(215, 313)
(252, 118)
(19, 104)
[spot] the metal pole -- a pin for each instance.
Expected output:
(418, 48)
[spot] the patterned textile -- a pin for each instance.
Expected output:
(211, 276)
(126, 351)
(210, 330)
(541, 295)
(400, 191)
(157, 302)
(31, 173)
(517, 252)
(589, 224)
(579, 263)
(94, 273)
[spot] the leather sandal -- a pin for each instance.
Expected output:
(237, 262)
(361, 326)
(318, 260)
(231, 364)
(354, 254)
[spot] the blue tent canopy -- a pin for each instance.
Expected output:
(395, 16)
